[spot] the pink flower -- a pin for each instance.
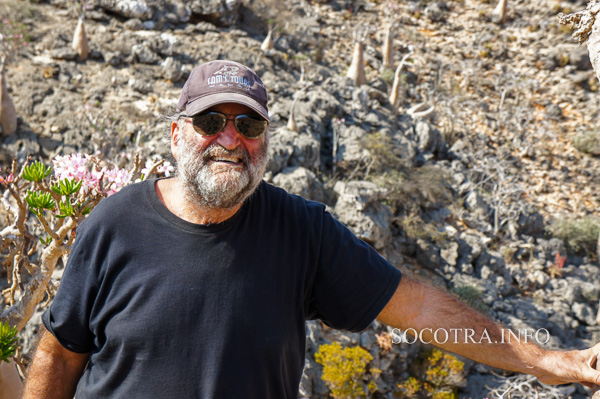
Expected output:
(7, 180)
(71, 166)
(77, 166)
(146, 168)
(112, 179)
(166, 168)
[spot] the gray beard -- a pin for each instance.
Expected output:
(225, 189)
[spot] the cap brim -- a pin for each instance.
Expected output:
(202, 103)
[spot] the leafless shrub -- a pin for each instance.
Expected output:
(527, 387)
(408, 187)
(291, 120)
(501, 187)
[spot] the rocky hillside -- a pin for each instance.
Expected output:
(485, 179)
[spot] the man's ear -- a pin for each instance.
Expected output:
(175, 132)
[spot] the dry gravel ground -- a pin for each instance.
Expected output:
(512, 90)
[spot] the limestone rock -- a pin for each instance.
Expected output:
(584, 313)
(171, 69)
(300, 181)
(593, 44)
(358, 207)
(226, 12)
(128, 8)
(142, 53)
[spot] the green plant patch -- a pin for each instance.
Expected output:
(8, 341)
(472, 296)
(579, 235)
(588, 142)
(387, 76)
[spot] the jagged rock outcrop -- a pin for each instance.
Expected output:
(587, 24)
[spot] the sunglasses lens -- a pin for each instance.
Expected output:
(250, 127)
(209, 124)
(212, 123)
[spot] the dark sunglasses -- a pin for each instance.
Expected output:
(211, 123)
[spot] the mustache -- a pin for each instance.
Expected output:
(217, 150)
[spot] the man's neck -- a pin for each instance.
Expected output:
(171, 193)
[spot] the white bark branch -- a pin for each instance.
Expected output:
(18, 314)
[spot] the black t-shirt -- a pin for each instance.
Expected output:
(171, 309)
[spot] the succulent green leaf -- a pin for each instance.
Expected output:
(39, 200)
(66, 209)
(45, 241)
(31, 200)
(66, 187)
(46, 201)
(36, 171)
(8, 341)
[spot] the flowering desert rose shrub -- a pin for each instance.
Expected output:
(44, 206)
(76, 167)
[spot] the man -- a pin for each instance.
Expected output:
(199, 286)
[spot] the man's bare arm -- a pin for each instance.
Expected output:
(421, 307)
(55, 370)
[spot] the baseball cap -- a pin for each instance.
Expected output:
(223, 81)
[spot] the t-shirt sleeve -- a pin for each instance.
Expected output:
(353, 283)
(68, 317)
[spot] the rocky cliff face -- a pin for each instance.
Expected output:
(470, 194)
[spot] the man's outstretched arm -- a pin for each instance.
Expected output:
(425, 309)
(55, 370)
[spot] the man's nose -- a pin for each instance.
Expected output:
(229, 138)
